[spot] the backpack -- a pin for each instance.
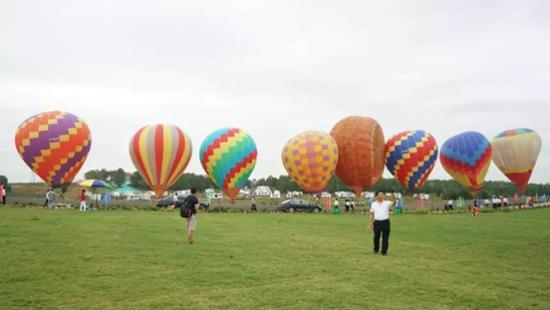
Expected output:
(186, 211)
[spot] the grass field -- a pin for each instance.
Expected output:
(138, 259)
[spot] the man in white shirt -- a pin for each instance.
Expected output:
(379, 221)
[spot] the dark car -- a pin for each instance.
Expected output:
(169, 201)
(294, 205)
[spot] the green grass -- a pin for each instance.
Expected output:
(138, 260)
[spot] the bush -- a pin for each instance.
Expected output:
(217, 210)
(487, 210)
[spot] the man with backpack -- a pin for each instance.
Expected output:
(189, 211)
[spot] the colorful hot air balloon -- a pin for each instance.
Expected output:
(54, 145)
(466, 157)
(515, 153)
(360, 143)
(310, 158)
(160, 153)
(410, 157)
(228, 156)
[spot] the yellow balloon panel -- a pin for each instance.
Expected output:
(310, 158)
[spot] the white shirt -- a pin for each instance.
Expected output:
(381, 210)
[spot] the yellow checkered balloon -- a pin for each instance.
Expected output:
(310, 158)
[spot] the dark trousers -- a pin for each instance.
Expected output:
(382, 228)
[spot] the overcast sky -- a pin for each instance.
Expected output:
(274, 69)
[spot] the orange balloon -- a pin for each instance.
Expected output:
(361, 152)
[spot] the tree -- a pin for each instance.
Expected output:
(118, 177)
(5, 183)
(446, 189)
(137, 181)
(189, 180)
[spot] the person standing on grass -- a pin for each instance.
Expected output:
(253, 207)
(47, 201)
(379, 221)
(398, 205)
(83, 206)
(174, 200)
(336, 210)
(475, 209)
(3, 194)
(50, 197)
(189, 212)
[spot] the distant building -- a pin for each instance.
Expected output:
(210, 193)
(183, 193)
(344, 195)
(368, 195)
(326, 195)
(128, 192)
(422, 196)
(263, 191)
(293, 194)
(276, 194)
(244, 193)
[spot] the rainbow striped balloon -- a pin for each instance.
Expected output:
(411, 157)
(54, 145)
(228, 156)
(160, 153)
(466, 157)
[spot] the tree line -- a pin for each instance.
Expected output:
(446, 189)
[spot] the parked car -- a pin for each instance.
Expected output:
(169, 201)
(293, 205)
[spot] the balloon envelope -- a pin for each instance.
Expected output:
(160, 153)
(54, 145)
(515, 153)
(360, 143)
(466, 157)
(310, 158)
(228, 156)
(410, 157)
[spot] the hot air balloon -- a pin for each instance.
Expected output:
(410, 157)
(310, 158)
(360, 143)
(54, 145)
(466, 157)
(515, 153)
(228, 156)
(160, 153)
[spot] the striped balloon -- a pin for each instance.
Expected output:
(310, 158)
(54, 145)
(160, 153)
(466, 157)
(515, 153)
(228, 156)
(410, 157)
